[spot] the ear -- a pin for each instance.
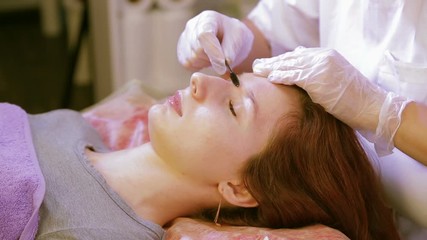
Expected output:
(237, 194)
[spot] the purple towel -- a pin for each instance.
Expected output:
(22, 185)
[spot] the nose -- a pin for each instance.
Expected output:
(202, 85)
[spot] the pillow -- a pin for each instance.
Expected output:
(192, 229)
(122, 118)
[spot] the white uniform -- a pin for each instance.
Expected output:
(387, 41)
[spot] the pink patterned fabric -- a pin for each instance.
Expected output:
(122, 118)
(191, 229)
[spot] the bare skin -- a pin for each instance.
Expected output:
(411, 137)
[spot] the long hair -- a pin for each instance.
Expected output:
(314, 171)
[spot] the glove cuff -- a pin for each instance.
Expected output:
(389, 121)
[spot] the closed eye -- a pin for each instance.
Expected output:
(230, 105)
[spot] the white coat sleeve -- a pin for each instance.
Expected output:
(404, 183)
(287, 24)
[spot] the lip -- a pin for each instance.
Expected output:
(175, 102)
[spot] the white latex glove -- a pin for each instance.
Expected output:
(341, 89)
(209, 38)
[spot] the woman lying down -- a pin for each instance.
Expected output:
(259, 155)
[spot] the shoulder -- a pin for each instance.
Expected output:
(60, 127)
(100, 233)
(58, 119)
(60, 114)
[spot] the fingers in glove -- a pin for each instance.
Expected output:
(285, 77)
(191, 55)
(213, 50)
(199, 40)
(300, 58)
(184, 50)
(198, 61)
(292, 77)
(264, 66)
(237, 42)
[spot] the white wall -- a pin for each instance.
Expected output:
(131, 43)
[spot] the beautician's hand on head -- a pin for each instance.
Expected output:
(341, 89)
(210, 38)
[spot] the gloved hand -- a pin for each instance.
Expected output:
(341, 89)
(209, 38)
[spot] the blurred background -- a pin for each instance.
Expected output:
(73, 53)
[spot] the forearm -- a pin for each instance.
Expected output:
(260, 48)
(411, 136)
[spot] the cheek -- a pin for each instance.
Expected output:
(153, 122)
(180, 138)
(159, 129)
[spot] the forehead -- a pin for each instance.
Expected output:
(272, 99)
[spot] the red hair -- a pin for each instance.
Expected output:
(314, 171)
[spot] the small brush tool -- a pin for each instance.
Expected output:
(233, 76)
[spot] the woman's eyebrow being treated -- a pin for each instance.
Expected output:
(300, 120)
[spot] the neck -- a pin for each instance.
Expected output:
(150, 186)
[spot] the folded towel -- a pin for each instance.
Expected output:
(22, 185)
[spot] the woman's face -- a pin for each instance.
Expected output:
(208, 130)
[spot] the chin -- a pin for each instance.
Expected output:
(156, 111)
(158, 126)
